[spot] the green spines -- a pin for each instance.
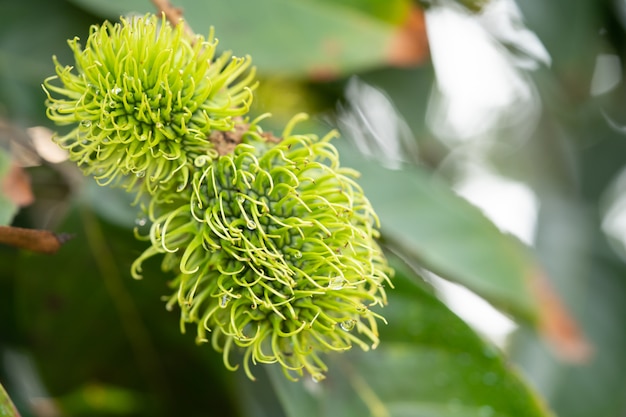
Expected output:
(276, 254)
(143, 101)
(272, 243)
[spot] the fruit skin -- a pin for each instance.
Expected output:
(143, 100)
(275, 251)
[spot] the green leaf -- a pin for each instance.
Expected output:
(257, 398)
(7, 409)
(393, 12)
(288, 37)
(30, 33)
(91, 327)
(473, 5)
(7, 207)
(577, 257)
(94, 399)
(113, 9)
(113, 204)
(429, 363)
(425, 221)
(65, 301)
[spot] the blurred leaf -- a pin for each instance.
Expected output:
(7, 409)
(473, 5)
(16, 185)
(257, 398)
(113, 204)
(30, 33)
(296, 38)
(393, 12)
(8, 207)
(65, 312)
(470, 5)
(592, 280)
(101, 399)
(113, 9)
(589, 276)
(426, 221)
(429, 363)
(89, 324)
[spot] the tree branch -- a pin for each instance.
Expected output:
(42, 241)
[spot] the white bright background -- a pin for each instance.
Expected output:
(481, 85)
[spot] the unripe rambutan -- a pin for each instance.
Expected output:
(276, 254)
(143, 100)
(272, 241)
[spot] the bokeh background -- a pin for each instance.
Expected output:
(512, 305)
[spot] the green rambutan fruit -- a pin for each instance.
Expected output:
(275, 251)
(143, 100)
(272, 242)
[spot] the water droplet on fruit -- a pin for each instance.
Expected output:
(336, 283)
(317, 377)
(347, 325)
(224, 300)
(94, 88)
(201, 160)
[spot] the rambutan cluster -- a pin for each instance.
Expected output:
(272, 242)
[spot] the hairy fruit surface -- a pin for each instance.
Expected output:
(142, 100)
(276, 254)
(271, 241)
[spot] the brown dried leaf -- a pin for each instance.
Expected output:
(409, 46)
(16, 186)
(557, 325)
